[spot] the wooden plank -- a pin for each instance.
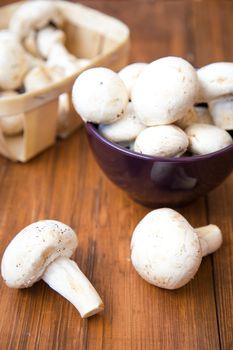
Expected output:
(60, 185)
(212, 44)
(221, 212)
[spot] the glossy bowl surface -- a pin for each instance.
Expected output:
(158, 181)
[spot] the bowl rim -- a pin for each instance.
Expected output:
(92, 129)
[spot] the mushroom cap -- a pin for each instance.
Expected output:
(13, 61)
(125, 129)
(34, 15)
(164, 91)
(59, 57)
(47, 37)
(197, 114)
(162, 141)
(165, 249)
(215, 80)
(204, 138)
(189, 118)
(130, 73)
(221, 110)
(37, 78)
(99, 96)
(33, 249)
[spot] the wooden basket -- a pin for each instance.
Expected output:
(90, 34)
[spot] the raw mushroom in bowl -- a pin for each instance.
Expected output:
(215, 80)
(195, 115)
(162, 141)
(124, 130)
(42, 250)
(164, 91)
(167, 251)
(99, 96)
(204, 138)
(130, 73)
(221, 111)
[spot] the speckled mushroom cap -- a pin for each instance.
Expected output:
(164, 91)
(165, 249)
(99, 96)
(34, 15)
(33, 249)
(215, 80)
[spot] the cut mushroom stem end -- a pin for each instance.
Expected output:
(64, 276)
(210, 238)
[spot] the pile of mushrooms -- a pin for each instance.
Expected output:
(167, 251)
(42, 250)
(34, 55)
(165, 108)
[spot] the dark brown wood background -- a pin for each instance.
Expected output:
(65, 183)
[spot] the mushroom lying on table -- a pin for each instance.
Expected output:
(42, 251)
(167, 251)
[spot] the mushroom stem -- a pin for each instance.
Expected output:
(64, 276)
(210, 237)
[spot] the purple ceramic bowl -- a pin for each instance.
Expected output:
(158, 181)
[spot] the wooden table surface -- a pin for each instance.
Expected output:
(65, 183)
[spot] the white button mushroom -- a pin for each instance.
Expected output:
(167, 251)
(99, 96)
(11, 125)
(37, 78)
(222, 112)
(34, 15)
(30, 45)
(47, 38)
(162, 141)
(13, 62)
(125, 129)
(195, 115)
(215, 80)
(42, 251)
(61, 58)
(164, 91)
(204, 138)
(130, 73)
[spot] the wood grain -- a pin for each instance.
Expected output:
(65, 183)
